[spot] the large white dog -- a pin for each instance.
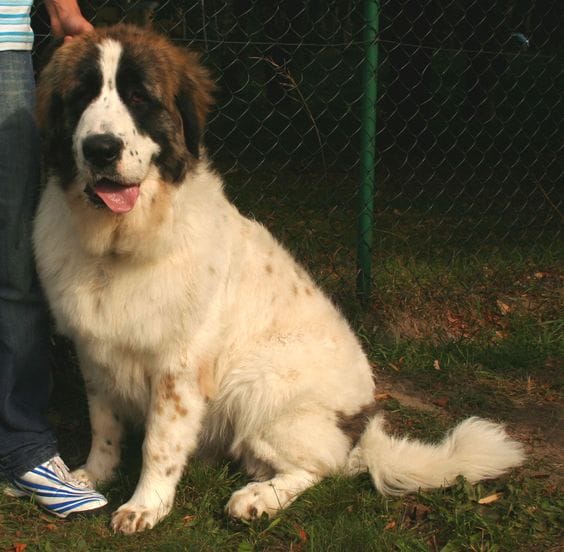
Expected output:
(189, 318)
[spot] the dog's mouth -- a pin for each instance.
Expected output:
(116, 196)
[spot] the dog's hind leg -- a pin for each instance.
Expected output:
(298, 450)
(284, 401)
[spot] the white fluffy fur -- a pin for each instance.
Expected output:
(192, 320)
(475, 448)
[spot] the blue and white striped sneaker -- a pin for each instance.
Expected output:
(52, 487)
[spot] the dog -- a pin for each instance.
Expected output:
(190, 319)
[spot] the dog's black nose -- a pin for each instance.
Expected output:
(102, 149)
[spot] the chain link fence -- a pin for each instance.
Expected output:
(469, 129)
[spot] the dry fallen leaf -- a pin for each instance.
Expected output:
(441, 401)
(382, 396)
(503, 308)
(418, 512)
(390, 525)
(188, 519)
(436, 365)
(491, 498)
(303, 536)
(19, 546)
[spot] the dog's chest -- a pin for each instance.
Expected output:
(131, 308)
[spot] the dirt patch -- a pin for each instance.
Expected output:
(540, 428)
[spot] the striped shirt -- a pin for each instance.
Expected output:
(15, 25)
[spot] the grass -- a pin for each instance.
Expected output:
(456, 326)
(338, 514)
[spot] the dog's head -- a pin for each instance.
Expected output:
(117, 105)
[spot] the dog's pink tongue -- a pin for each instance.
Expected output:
(120, 199)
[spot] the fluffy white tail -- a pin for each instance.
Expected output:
(476, 449)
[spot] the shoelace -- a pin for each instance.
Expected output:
(62, 471)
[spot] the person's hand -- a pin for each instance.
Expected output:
(66, 18)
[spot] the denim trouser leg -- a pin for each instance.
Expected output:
(26, 439)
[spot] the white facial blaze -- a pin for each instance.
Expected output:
(107, 114)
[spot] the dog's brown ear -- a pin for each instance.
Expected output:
(55, 142)
(194, 100)
(44, 53)
(44, 88)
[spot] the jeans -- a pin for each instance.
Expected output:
(26, 439)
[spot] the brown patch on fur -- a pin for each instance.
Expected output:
(268, 268)
(308, 291)
(353, 425)
(181, 410)
(168, 389)
(170, 471)
(169, 392)
(295, 289)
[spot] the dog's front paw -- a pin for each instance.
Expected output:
(84, 477)
(133, 518)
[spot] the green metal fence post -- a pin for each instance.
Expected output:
(367, 150)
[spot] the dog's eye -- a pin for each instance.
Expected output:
(136, 98)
